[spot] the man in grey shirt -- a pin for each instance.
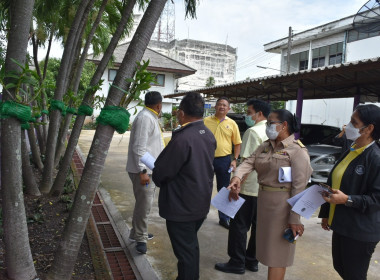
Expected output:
(146, 136)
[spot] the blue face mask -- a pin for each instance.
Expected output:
(249, 122)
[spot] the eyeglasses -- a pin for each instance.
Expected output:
(274, 122)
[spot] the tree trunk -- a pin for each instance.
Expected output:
(40, 138)
(87, 100)
(36, 155)
(76, 82)
(28, 175)
(66, 255)
(62, 138)
(55, 115)
(18, 257)
(35, 55)
(48, 53)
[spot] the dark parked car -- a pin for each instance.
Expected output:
(318, 134)
(239, 119)
(322, 159)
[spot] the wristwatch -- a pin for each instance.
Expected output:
(236, 159)
(349, 202)
(143, 172)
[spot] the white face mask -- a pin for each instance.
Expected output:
(271, 132)
(352, 133)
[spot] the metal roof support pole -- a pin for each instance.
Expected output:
(356, 98)
(299, 106)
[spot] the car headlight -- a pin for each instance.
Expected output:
(326, 160)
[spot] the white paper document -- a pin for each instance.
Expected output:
(285, 174)
(308, 201)
(148, 160)
(221, 202)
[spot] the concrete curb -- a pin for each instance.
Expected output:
(142, 267)
(140, 261)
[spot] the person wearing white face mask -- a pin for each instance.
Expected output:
(352, 208)
(274, 214)
(342, 141)
(241, 256)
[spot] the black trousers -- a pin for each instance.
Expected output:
(351, 257)
(221, 166)
(244, 219)
(184, 239)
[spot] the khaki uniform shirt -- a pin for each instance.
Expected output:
(252, 139)
(267, 160)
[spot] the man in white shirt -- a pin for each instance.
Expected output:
(241, 256)
(146, 136)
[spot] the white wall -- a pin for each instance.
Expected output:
(363, 49)
(334, 112)
(167, 89)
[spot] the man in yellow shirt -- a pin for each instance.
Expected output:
(226, 133)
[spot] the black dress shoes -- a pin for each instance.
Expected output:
(225, 223)
(229, 268)
(252, 266)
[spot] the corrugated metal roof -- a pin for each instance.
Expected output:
(325, 82)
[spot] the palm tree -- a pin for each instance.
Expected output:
(61, 86)
(76, 81)
(18, 256)
(68, 248)
(28, 176)
(75, 133)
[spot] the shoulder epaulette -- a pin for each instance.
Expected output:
(299, 143)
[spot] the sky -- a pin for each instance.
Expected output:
(249, 24)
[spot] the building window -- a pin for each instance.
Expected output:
(304, 60)
(111, 74)
(335, 53)
(354, 35)
(319, 57)
(160, 80)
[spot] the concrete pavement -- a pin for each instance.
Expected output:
(313, 254)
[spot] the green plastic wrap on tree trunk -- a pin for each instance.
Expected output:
(85, 110)
(25, 126)
(117, 117)
(11, 109)
(71, 110)
(58, 105)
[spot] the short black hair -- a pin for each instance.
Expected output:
(259, 106)
(152, 98)
(223, 98)
(193, 105)
(293, 121)
(370, 114)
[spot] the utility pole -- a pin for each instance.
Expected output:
(289, 49)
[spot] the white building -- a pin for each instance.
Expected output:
(166, 69)
(209, 59)
(332, 43)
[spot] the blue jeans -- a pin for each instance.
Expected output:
(221, 166)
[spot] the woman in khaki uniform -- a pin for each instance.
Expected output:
(274, 214)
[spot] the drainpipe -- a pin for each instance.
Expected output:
(356, 98)
(310, 58)
(344, 47)
(299, 106)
